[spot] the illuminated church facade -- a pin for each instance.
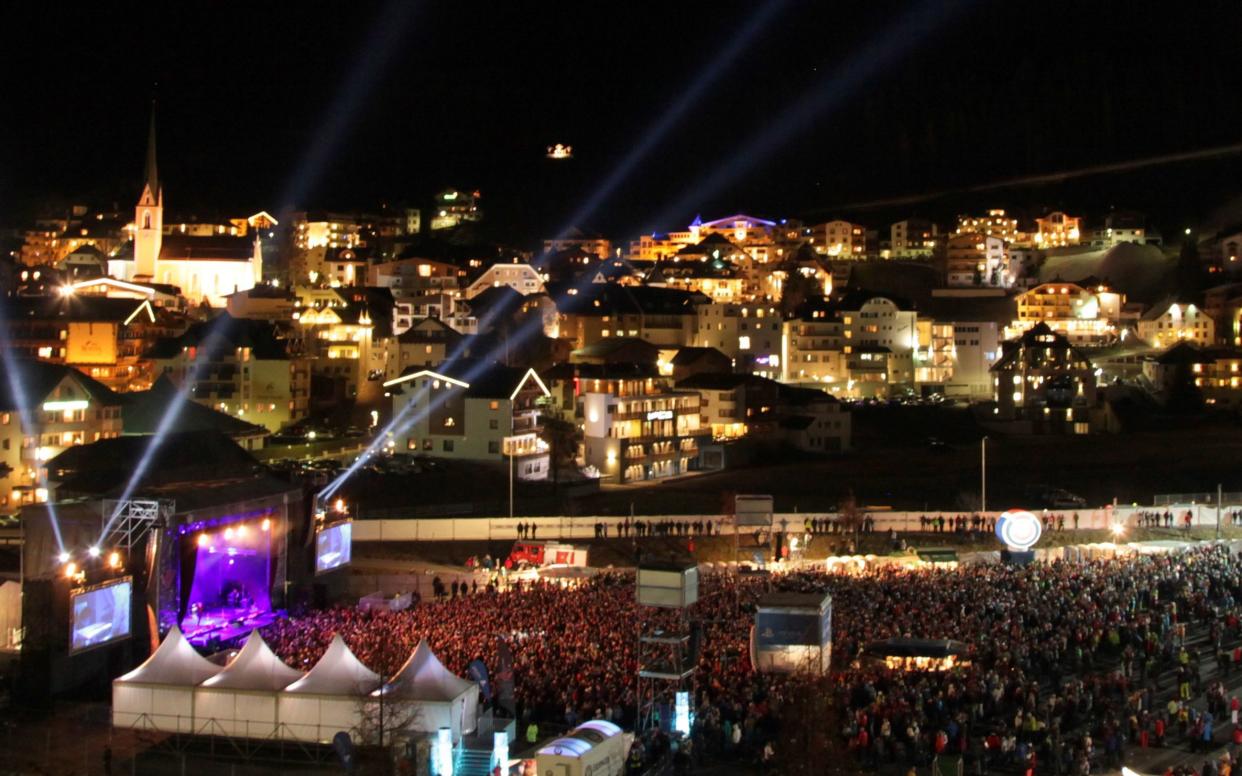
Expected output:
(205, 268)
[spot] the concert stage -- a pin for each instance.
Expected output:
(222, 627)
(222, 575)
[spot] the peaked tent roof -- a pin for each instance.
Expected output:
(256, 667)
(174, 662)
(424, 678)
(338, 672)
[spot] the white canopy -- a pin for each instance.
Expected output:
(256, 667)
(424, 678)
(174, 662)
(435, 696)
(159, 694)
(332, 697)
(338, 672)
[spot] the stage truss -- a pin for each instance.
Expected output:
(134, 520)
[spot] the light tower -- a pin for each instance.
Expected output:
(667, 656)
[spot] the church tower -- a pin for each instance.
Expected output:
(149, 217)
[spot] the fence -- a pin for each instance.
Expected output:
(438, 529)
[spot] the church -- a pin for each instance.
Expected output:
(205, 268)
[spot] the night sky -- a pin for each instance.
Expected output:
(354, 104)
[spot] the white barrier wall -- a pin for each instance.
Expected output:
(424, 529)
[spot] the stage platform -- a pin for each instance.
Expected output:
(226, 625)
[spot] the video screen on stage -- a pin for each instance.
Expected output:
(100, 615)
(332, 546)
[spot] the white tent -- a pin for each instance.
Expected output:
(432, 696)
(330, 698)
(241, 699)
(159, 694)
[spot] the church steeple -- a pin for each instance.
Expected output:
(149, 215)
(152, 175)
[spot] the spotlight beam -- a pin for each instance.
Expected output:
(695, 91)
(25, 414)
(172, 412)
(868, 63)
(375, 53)
(697, 88)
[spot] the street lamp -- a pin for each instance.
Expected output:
(983, 474)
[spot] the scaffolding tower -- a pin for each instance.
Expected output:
(134, 519)
(667, 654)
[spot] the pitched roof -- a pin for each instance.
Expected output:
(28, 382)
(224, 332)
(424, 678)
(613, 370)
(689, 355)
(74, 307)
(174, 662)
(610, 345)
(104, 467)
(614, 299)
(338, 672)
(177, 247)
(144, 411)
(256, 667)
(427, 330)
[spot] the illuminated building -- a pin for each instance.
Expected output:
(263, 303)
(1172, 322)
(105, 338)
(973, 320)
(348, 335)
(665, 317)
(65, 408)
(814, 348)
(326, 230)
(1042, 383)
(756, 237)
(560, 151)
(635, 426)
(453, 208)
(1123, 227)
(801, 274)
(717, 279)
(1090, 315)
(1216, 372)
(522, 278)
(994, 224)
(54, 239)
(426, 343)
(734, 405)
(912, 238)
(840, 239)
(204, 268)
(576, 239)
(250, 369)
(975, 259)
(749, 334)
(453, 417)
(1057, 230)
(863, 346)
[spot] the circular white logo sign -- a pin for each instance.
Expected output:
(1019, 529)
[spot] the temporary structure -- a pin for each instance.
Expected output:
(330, 698)
(159, 694)
(241, 699)
(596, 747)
(430, 697)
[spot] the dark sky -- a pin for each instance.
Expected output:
(471, 93)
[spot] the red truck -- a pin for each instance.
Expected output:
(538, 553)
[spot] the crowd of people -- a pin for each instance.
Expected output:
(1069, 664)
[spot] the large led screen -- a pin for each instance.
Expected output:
(100, 614)
(332, 546)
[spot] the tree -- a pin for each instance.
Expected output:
(1189, 267)
(562, 437)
